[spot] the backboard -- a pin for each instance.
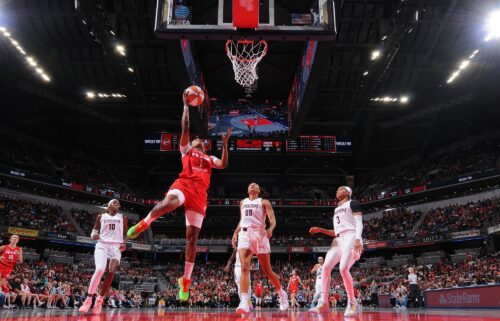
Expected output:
(283, 20)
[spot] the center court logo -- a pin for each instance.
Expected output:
(247, 4)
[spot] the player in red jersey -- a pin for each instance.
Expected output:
(293, 288)
(10, 255)
(190, 190)
(258, 293)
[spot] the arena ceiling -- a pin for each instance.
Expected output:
(421, 43)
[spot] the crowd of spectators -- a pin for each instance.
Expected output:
(454, 218)
(24, 213)
(18, 212)
(25, 156)
(51, 285)
(473, 158)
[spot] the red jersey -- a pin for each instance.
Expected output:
(10, 256)
(197, 167)
(258, 289)
(294, 282)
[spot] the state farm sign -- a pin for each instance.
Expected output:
(486, 296)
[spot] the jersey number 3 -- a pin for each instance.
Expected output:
(248, 212)
(338, 219)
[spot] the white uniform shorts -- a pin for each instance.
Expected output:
(254, 240)
(105, 251)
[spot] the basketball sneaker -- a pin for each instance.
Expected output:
(97, 305)
(184, 289)
(283, 300)
(351, 309)
(243, 308)
(137, 229)
(320, 308)
(85, 306)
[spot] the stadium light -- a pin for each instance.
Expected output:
(375, 54)
(120, 49)
(404, 99)
(464, 64)
(493, 26)
(130, 69)
(90, 94)
(365, 73)
(45, 77)
(3, 29)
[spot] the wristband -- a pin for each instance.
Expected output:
(186, 107)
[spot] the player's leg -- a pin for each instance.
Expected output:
(237, 278)
(194, 221)
(265, 265)
(172, 200)
(317, 293)
(332, 258)
(246, 260)
(101, 258)
(346, 262)
(113, 263)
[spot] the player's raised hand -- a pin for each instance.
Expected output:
(123, 247)
(227, 135)
(314, 230)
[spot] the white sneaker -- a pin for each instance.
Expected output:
(85, 306)
(320, 308)
(243, 308)
(284, 304)
(351, 309)
(97, 305)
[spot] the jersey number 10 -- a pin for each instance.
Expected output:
(111, 227)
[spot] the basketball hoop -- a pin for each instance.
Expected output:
(245, 55)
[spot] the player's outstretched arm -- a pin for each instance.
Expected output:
(185, 123)
(123, 246)
(230, 261)
(20, 260)
(235, 236)
(315, 268)
(268, 208)
(97, 227)
(318, 230)
(222, 163)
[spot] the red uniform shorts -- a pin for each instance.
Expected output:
(5, 271)
(192, 195)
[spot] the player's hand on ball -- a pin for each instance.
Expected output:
(123, 247)
(269, 233)
(358, 246)
(314, 230)
(225, 137)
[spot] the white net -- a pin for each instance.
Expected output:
(245, 55)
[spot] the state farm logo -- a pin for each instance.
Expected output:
(247, 4)
(462, 298)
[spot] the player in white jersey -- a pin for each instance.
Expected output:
(317, 269)
(110, 232)
(237, 271)
(253, 238)
(348, 227)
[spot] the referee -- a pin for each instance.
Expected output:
(414, 288)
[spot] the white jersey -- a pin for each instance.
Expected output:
(343, 219)
(318, 274)
(111, 228)
(252, 214)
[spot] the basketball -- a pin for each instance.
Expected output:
(194, 96)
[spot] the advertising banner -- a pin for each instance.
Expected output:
(467, 297)
(298, 249)
(465, 234)
(84, 239)
(22, 231)
(140, 246)
(321, 249)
